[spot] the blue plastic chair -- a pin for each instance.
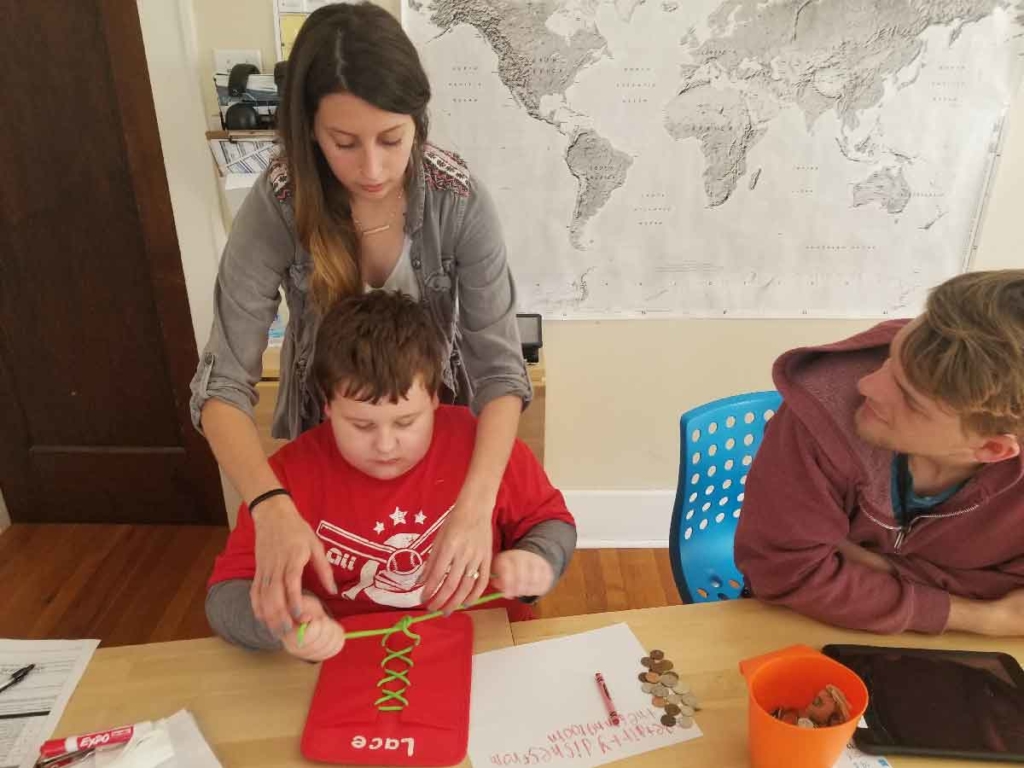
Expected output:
(718, 442)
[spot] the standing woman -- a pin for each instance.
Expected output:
(357, 201)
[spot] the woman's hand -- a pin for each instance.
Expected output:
(460, 561)
(459, 566)
(284, 545)
(322, 638)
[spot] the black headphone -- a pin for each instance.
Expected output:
(241, 116)
(280, 70)
(238, 79)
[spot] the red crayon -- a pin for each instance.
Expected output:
(608, 703)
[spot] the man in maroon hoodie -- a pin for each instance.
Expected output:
(888, 494)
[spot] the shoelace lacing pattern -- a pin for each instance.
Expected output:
(393, 698)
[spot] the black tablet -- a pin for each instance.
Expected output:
(960, 704)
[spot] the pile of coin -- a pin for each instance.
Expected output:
(830, 707)
(667, 691)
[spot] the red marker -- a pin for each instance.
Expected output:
(100, 739)
(608, 703)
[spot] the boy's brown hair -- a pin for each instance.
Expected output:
(373, 346)
(967, 350)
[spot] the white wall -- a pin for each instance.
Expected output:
(168, 31)
(169, 37)
(616, 388)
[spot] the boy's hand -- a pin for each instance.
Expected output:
(518, 573)
(323, 636)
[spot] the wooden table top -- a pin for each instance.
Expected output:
(251, 707)
(706, 642)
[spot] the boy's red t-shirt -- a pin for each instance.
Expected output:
(379, 533)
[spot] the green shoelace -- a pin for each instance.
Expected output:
(392, 698)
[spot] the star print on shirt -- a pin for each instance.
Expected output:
(420, 518)
(398, 516)
(379, 527)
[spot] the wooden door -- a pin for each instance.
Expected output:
(96, 340)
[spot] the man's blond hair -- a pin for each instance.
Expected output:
(967, 351)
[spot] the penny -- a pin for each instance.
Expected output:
(642, 677)
(646, 661)
(671, 679)
(647, 687)
(661, 690)
(672, 709)
(657, 655)
(652, 677)
(685, 722)
(659, 702)
(668, 721)
(661, 667)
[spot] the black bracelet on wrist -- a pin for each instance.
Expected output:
(268, 495)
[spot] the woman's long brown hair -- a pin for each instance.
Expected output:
(346, 48)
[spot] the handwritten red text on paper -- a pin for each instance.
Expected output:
(583, 740)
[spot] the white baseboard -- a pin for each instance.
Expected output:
(622, 518)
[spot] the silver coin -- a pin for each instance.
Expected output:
(661, 691)
(691, 701)
(805, 722)
(674, 698)
(684, 721)
(686, 710)
(682, 687)
(671, 679)
(647, 687)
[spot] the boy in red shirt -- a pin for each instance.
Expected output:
(377, 480)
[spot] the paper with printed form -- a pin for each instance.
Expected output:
(540, 704)
(30, 710)
(854, 758)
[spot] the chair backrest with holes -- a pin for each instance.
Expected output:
(718, 441)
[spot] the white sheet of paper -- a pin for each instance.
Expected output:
(854, 758)
(32, 708)
(174, 742)
(539, 703)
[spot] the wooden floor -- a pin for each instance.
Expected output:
(142, 584)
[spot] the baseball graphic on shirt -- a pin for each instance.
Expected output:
(387, 571)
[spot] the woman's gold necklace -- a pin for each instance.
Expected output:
(381, 227)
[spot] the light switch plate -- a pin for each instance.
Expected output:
(225, 58)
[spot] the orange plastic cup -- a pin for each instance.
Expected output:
(792, 678)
